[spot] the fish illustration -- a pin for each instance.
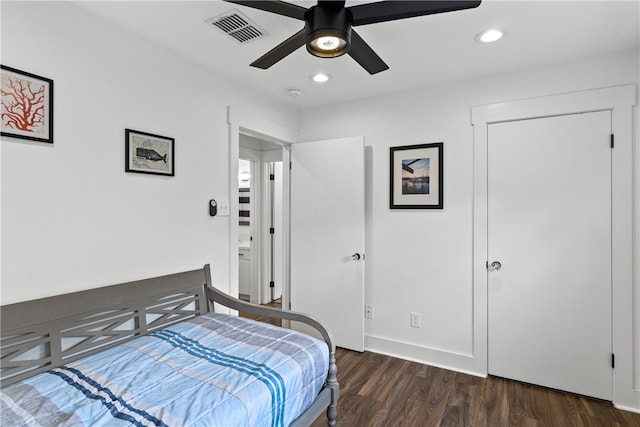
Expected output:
(149, 154)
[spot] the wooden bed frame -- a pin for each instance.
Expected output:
(42, 334)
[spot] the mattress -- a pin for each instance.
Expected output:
(212, 370)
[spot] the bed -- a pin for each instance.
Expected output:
(155, 352)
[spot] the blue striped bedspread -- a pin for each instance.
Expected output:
(213, 370)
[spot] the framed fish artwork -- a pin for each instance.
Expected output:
(149, 153)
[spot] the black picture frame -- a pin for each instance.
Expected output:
(32, 120)
(149, 153)
(416, 176)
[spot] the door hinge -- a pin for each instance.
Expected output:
(290, 166)
(272, 230)
(272, 177)
(487, 264)
(611, 140)
(613, 360)
(272, 284)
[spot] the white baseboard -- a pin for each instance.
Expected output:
(458, 362)
(627, 408)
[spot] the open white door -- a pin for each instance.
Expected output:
(327, 236)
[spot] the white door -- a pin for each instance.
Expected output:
(327, 236)
(549, 225)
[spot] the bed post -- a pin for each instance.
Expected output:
(208, 283)
(332, 383)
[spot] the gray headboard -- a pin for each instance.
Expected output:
(41, 334)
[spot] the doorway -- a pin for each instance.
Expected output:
(246, 201)
(243, 123)
(260, 221)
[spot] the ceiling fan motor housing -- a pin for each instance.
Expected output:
(328, 21)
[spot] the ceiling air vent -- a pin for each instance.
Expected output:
(237, 26)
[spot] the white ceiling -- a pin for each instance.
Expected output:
(419, 51)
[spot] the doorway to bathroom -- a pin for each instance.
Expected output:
(260, 220)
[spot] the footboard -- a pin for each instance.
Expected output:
(328, 398)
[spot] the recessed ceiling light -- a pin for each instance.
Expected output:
(320, 77)
(490, 36)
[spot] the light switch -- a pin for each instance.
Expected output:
(223, 207)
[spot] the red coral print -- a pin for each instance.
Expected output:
(22, 104)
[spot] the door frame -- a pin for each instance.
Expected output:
(242, 121)
(620, 101)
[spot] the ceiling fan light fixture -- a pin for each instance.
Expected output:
(328, 43)
(328, 31)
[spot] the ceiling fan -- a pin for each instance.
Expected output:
(328, 32)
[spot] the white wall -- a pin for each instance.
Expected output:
(71, 217)
(421, 261)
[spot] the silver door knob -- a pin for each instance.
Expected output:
(495, 265)
(356, 257)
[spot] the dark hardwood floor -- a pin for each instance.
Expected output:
(377, 390)
(383, 391)
(274, 304)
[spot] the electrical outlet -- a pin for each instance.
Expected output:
(368, 311)
(415, 320)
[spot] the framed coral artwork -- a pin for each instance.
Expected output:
(26, 105)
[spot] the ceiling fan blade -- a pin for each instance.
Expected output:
(365, 56)
(277, 7)
(280, 51)
(370, 13)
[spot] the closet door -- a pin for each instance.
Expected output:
(549, 246)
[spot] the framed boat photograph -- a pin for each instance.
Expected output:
(149, 153)
(26, 105)
(416, 176)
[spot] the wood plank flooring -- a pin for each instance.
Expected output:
(383, 391)
(377, 391)
(274, 304)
